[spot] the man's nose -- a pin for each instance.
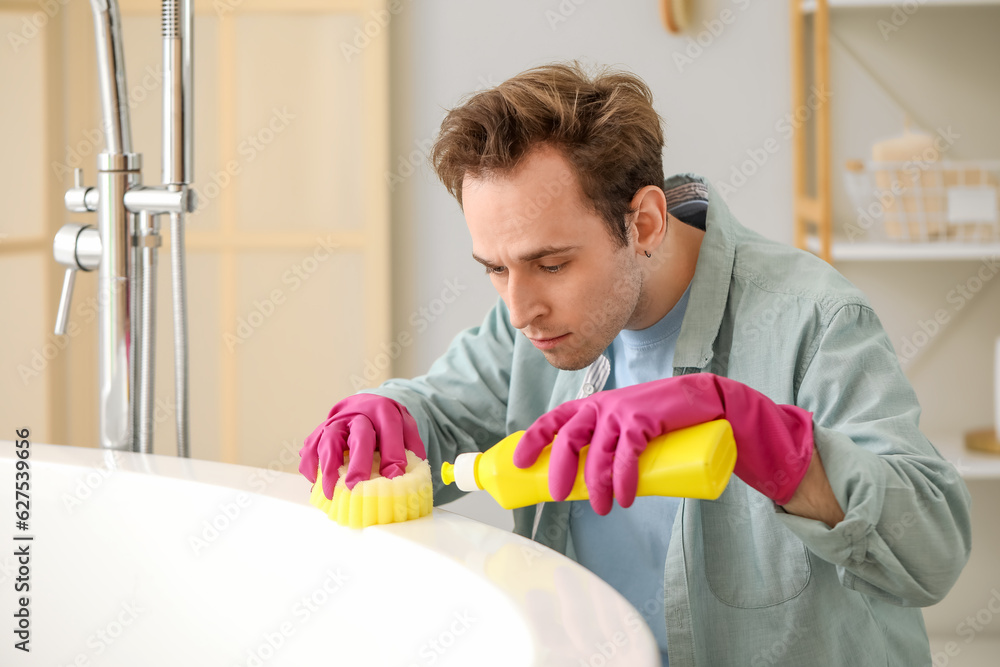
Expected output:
(523, 302)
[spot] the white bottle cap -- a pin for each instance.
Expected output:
(465, 471)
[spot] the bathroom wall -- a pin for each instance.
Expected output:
(288, 253)
(720, 96)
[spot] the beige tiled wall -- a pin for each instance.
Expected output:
(287, 259)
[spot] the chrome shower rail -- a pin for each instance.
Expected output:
(123, 247)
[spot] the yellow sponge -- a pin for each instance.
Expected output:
(378, 500)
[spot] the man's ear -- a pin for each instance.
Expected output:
(649, 222)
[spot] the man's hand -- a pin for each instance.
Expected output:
(360, 425)
(774, 443)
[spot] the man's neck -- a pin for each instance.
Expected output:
(674, 263)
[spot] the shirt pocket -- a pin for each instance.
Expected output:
(751, 560)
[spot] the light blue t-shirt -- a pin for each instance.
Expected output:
(628, 547)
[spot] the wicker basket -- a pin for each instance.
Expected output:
(938, 201)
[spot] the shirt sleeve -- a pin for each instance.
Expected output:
(906, 533)
(460, 405)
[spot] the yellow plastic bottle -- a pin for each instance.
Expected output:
(695, 462)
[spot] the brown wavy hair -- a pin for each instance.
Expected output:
(604, 124)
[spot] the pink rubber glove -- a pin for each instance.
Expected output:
(774, 443)
(360, 425)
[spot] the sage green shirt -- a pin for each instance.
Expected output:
(746, 583)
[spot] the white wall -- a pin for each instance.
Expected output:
(728, 101)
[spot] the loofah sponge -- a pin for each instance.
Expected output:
(380, 499)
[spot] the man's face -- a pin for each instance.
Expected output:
(567, 284)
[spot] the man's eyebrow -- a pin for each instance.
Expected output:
(532, 256)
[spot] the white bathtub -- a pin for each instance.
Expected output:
(153, 560)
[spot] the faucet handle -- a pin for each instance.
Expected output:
(62, 315)
(77, 247)
(78, 178)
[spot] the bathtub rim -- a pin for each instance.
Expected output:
(293, 488)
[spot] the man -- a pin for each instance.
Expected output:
(631, 306)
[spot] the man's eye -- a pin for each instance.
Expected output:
(495, 270)
(553, 269)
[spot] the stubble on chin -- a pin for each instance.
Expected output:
(570, 363)
(574, 356)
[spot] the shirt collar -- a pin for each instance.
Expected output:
(712, 276)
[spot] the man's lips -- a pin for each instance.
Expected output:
(547, 343)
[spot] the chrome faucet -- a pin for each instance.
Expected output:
(123, 246)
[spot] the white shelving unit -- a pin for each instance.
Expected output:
(846, 251)
(809, 6)
(971, 464)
